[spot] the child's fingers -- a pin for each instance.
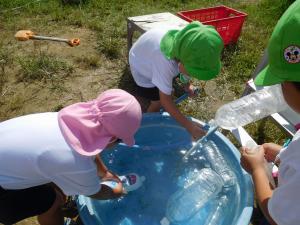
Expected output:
(243, 150)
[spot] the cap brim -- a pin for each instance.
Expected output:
(204, 74)
(167, 43)
(267, 77)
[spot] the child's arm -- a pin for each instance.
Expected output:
(101, 168)
(103, 172)
(107, 192)
(253, 163)
(194, 129)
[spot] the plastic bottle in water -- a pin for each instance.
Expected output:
(225, 207)
(218, 215)
(130, 182)
(186, 202)
(126, 221)
(250, 108)
(218, 163)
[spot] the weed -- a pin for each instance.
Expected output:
(58, 107)
(95, 25)
(43, 68)
(110, 47)
(5, 60)
(92, 61)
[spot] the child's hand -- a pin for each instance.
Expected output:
(271, 151)
(190, 89)
(252, 160)
(119, 190)
(196, 130)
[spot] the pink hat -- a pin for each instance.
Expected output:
(89, 126)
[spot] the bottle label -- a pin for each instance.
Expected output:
(131, 179)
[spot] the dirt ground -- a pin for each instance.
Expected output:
(86, 80)
(83, 84)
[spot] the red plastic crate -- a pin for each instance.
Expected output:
(227, 21)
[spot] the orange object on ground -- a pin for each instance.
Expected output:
(25, 35)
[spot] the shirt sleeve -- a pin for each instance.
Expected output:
(163, 73)
(284, 205)
(75, 176)
(79, 183)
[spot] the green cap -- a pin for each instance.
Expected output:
(283, 50)
(198, 47)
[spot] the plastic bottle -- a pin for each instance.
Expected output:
(210, 130)
(126, 221)
(250, 108)
(186, 202)
(218, 163)
(224, 211)
(130, 182)
(218, 215)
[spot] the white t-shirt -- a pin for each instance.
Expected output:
(284, 206)
(149, 67)
(33, 152)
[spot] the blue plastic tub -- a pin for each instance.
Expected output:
(157, 155)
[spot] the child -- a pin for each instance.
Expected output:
(280, 206)
(62, 148)
(159, 55)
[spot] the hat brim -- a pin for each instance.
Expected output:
(129, 141)
(201, 74)
(167, 43)
(267, 77)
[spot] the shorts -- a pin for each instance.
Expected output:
(148, 93)
(16, 205)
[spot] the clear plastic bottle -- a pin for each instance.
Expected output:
(250, 108)
(186, 202)
(218, 163)
(130, 182)
(126, 221)
(225, 207)
(217, 216)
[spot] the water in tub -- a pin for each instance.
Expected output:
(174, 191)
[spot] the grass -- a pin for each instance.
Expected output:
(43, 76)
(43, 68)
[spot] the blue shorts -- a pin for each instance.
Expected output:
(16, 205)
